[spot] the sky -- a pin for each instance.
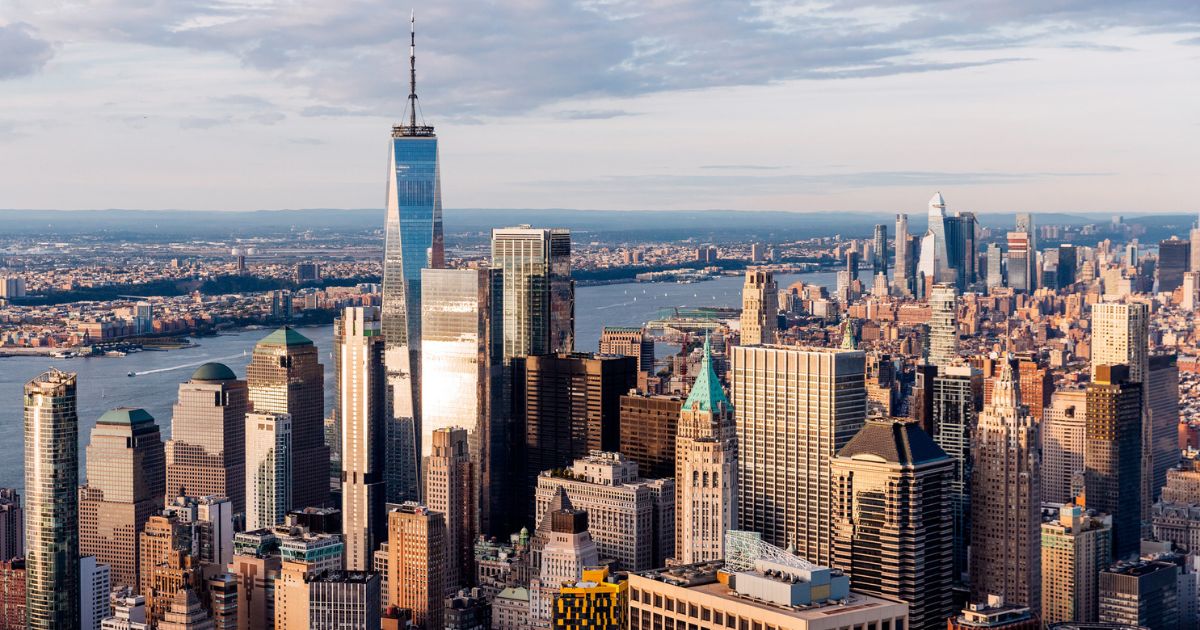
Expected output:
(828, 106)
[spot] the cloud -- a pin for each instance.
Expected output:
(741, 167)
(22, 52)
(592, 114)
(485, 58)
(204, 122)
(794, 183)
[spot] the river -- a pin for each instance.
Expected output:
(104, 382)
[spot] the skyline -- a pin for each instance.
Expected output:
(846, 107)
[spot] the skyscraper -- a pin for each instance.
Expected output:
(95, 585)
(186, 613)
(892, 522)
(417, 561)
(995, 268)
(1113, 455)
(463, 364)
(566, 550)
(285, 376)
(363, 391)
(706, 482)
(902, 276)
(1064, 435)
(957, 396)
(1075, 548)
(631, 342)
(413, 241)
(795, 408)
(960, 248)
(12, 524)
(206, 454)
(1162, 407)
(269, 463)
(51, 502)
(539, 295)
(943, 324)
(126, 472)
(1024, 223)
(567, 405)
(649, 424)
(1174, 256)
(935, 257)
(449, 488)
(760, 308)
(881, 250)
(1144, 593)
(1022, 274)
(1006, 493)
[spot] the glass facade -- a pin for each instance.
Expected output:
(413, 241)
(957, 397)
(539, 296)
(51, 502)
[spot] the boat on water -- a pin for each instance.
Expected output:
(132, 374)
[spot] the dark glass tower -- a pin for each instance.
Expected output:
(1113, 454)
(413, 241)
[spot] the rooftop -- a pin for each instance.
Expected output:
(285, 336)
(214, 372)
(126, 415)
(893, 441)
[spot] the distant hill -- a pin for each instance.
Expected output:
(700, 225)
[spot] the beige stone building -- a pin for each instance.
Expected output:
(1075, 547)
(417, 556)
(760, 308)
(206, 454)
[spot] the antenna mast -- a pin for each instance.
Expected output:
(412, 69)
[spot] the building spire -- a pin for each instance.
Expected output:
(412, 69)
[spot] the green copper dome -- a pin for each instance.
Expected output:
(706, 391)
(286, 336)
(126, 415)
(214, 372)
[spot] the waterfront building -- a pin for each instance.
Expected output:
(269, 463)
(706, 483)
(449, 484)
(417, 562)
(413, 240)
(285, 376)
(206, 455)
(893, 525)
(760, 308)
(1006, 493)
(1076, 546)
(539, 295)
(126, 474)
(362, 390)
(794, 409)
(629, 342)
(463, 384)
(51, 502)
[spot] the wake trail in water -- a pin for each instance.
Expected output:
(187, 365)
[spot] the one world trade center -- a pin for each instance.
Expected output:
(413, 241)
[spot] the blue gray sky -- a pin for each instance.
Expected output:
(834, 105)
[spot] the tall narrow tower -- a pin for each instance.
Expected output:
(51, 502)
(1006, 490)
(413, 241)
(361, 384)
(706, 469)
(760, 308)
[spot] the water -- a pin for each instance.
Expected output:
(104, 382)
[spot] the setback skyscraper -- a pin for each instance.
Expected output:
(362, 383)
(126, 473)
(1006, 491)
(206, 454)
(795, 408)
(51, 502)
(893, 527)
(539, 295)
(760, 308)
(413, 241)
(449, 489)
(706, 484)
(285, 376)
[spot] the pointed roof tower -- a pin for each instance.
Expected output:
(848, 341)
(706, 391)
(412, 128)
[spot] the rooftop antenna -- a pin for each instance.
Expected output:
(412, 69)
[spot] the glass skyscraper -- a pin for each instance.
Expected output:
(51, 502)
(539, 296)
(413, 241)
